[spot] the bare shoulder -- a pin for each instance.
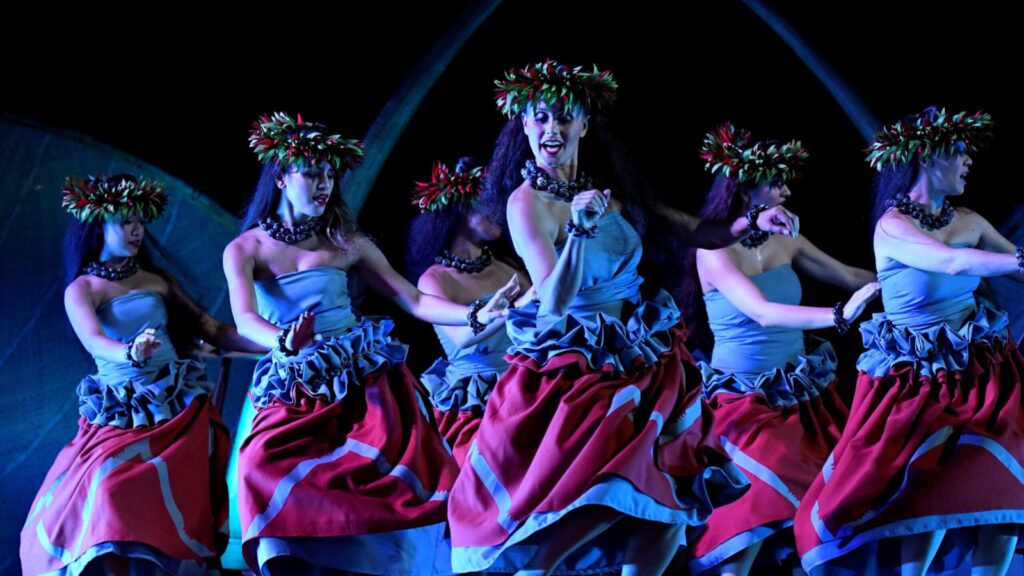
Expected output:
(245, 245)
(717, 256)
(244, 248)
(523, 198)
(893, 224)
(527, 208)
(794, 245)
(80, 288)
(434, 280)
(360, 244)
(971, 217)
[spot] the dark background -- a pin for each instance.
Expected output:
(179, 91)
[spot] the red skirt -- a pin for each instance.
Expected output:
(930, 445)
(458, 428)
(779, 427)
(563, 435)
(155, 494)
(344, 470)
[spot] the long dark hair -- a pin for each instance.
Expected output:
(83, 242)
(892, 180)
(339, 227)
(724, 200)
(430, 233)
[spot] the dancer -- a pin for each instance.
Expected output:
(140, 490)
(448, 250)
(775, 403)
(926, 476)
(343, 469)
(593, 452)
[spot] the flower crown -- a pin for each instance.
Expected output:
(280, 138)
(447, 187)
(728, 151)
(550, 82)
(112, 198)
(931, 132)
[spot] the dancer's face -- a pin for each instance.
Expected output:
(948, 174)
(482, 226)
(554, 132)
(122, 238)
(307, 188)
(774, 193)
